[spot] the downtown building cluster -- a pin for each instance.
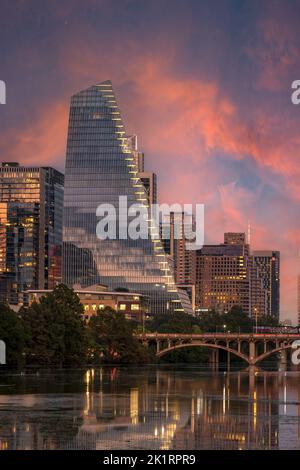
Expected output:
(48, 229)
(218, 277)
(231, 274)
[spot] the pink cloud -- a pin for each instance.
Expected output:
(42, 141)
(180, 123)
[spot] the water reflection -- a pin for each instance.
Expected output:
(150, 408)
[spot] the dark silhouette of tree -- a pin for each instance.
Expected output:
(55, 330)
(12, 333)
(111, 339)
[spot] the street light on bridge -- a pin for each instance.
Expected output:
(256, 318)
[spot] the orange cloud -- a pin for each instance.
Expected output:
(181, 122)
(42, 142)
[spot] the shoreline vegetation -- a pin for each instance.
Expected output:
(53, 333)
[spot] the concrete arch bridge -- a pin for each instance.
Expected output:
(252, 348)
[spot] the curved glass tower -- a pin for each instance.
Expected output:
(100, 167)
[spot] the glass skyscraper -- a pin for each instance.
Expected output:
(101, 165)
(31, 200)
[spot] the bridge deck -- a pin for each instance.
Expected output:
(246, 336)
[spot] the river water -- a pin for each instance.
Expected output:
(150, 407)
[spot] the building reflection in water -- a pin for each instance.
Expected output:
(120, 408)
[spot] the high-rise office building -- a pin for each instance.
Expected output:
(31, 200)
(229, 274)
(222, 275)
(101, 166)
(177, 230)
(264, 283)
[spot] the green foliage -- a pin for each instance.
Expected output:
(237, 321)
(234, 321)
(111, 339)
(55, 331)
(174, 323)
(267, 320)
(192, 355)
(209, 322)
(12, 333)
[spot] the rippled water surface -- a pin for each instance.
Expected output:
(167, 407)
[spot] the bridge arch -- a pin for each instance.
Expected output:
(204, 345)
(263, 356)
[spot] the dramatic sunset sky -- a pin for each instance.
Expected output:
(206, 86)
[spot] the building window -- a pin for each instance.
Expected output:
(135, 307)
(101, 306)
(122, 307)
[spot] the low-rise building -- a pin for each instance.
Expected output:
(97, 297)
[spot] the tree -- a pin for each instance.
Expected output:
(55, 330)
(237, 321)
(172, 323)
(234, 321)
(267, 320)
(111, 339)
(71, 311)
(12, 333)
(36, 323)
(211, 322)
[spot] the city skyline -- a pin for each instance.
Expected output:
(218, 123)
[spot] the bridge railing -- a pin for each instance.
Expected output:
(247, 336)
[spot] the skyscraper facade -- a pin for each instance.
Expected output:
(222, 275)
(177, 231)
(31, 200)
(178, 228)
(265, 283)
(101, 166)
(229, 274)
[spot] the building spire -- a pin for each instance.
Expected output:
(249, 233)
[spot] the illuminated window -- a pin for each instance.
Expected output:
(122, 306)
(101, 307)
(135, 307)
